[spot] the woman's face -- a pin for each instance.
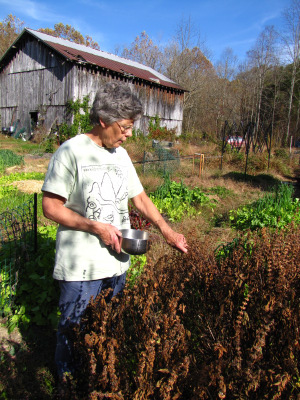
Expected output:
(114, 135)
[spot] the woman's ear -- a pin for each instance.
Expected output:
(102, 124)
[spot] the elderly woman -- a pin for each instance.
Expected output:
(86, 190)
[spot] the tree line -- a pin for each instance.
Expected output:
(263, 90)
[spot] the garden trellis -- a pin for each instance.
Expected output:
(18, 240)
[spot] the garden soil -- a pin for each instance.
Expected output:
(7, 338)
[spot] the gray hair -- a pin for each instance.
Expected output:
(114, 102)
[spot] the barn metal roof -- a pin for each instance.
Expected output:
(86, 55)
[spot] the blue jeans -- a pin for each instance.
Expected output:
(74, 298)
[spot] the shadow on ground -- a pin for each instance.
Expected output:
(27, 369)
(265, 182)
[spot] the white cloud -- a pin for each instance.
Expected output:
(32, 9)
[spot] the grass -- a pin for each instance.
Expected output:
(12, 198)
(8, 159)
(21, 147)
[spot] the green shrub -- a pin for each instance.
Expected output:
(186, 137)
(79, 111)
(282, 153)
(49, 145)
(156, 131)
(257, 162)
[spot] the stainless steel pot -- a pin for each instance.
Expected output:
(134, 241)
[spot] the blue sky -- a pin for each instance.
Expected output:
(221, 23)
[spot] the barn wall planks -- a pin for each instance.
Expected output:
(38, 79)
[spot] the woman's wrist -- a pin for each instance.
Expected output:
(162, 225)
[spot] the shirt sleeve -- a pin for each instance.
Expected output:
(60, 175)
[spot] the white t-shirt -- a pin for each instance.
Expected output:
(97, 184)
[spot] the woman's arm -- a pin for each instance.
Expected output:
(144, 204)
(54, 209)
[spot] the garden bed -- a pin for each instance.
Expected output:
(27, 368)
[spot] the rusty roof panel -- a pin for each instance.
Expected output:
(83, 54)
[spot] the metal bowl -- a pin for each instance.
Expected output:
(134, 241)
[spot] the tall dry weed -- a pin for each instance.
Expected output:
(197, 326)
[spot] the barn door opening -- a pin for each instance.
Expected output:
(34, 117)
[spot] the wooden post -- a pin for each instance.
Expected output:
(144, 159)
(193, 163)
(201, 162)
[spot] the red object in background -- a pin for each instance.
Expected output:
(235, 141)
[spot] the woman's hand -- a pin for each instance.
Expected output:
(176, 240)
(54, 209)
(109, 235)
(144, 204)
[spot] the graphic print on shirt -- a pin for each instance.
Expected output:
(106, 193)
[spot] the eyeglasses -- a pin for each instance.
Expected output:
(124, 129)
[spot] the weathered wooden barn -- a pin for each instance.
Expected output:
(40, 73)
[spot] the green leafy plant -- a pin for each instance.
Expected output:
(16, 199)
(21, 176)
(49, 145)
(176, 199)
(136, 268)
(221, 191)
(79, 110)
(36, 295)
(7, 191)
(7, 288)
(225, 250)
(274, 210)
(9, 159)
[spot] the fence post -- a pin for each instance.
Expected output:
(144, 159)
(35, 221)
(201, 162)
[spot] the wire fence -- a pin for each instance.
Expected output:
(162, 159)
(18, 241)
(166, 160)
